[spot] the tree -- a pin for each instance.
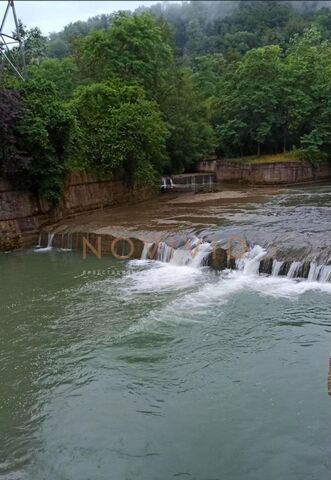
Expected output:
(10, 112)
(309, 60)
(241, 41)
(62, 73)
(191, 136)
(249, 98)
(42, 136)
(206, 72)
(34, 48)
(195, 38)
(34, 44)
(63, 43)
(134, 51)
(118, 129)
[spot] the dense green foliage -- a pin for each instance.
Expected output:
(275, 100)
(36, 159)
(10, 111)
(155, 91)
(133, 50)
(118, 128)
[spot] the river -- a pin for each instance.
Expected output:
(156, 370)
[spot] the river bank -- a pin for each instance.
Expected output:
(268, 170)
(23, 215)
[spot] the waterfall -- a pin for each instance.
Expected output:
(294, 269)
(194, 254)
(145, 252)
(200, 255)
(314, 271)
(325, 274)
(49, 244)
(319, 273)
(180, 256)
(164, 252)
(250, 263)
(276, 266)
(50, 240)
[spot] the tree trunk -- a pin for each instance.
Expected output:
(258, 149)
(284, 140)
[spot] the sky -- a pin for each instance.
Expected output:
(52, 16)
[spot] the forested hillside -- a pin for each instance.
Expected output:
(156, 90)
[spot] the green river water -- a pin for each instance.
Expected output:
(155, 371)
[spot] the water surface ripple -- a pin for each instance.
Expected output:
(155, 371)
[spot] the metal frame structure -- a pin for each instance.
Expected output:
(8, 40)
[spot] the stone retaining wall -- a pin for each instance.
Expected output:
(23, 215)
(265, 173)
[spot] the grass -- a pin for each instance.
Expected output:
(276, 158)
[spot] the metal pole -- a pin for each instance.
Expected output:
(4, 17)
(21, 42)
(19, 70)
(13, 66)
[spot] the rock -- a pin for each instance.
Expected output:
(218, 259)
(266, 265)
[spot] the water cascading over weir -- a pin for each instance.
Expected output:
(194, 252)
(254, 261)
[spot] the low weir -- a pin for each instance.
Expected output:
(193, 252)
(282, 233)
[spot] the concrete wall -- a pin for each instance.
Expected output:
(265, 173)
(22, 215)
(194, 182)
(207, 166)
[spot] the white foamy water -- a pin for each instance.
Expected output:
(250, 263)
(210, 293)
(276, 266)
(157, 276)
(49, 244)
(209, 289)
(320, 273)
(196, 253)
(294, 269)
(193, 254)
(325, 274)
